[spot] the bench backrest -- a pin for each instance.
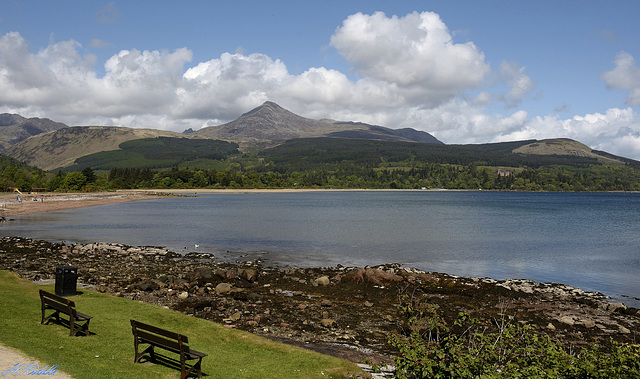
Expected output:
(160, 336)
(56, 301)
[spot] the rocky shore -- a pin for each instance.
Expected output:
(343, 311)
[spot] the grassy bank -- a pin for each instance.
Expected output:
(108, 353)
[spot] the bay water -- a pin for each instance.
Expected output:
(586, 240)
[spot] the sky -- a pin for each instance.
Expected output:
(464, 71)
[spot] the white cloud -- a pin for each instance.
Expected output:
(109, 14)
(520, 83)
(626, 75)
(226, 87)
(616, 131)
(415, 53)
(410, 73)
(97, 43)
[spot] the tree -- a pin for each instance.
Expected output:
(89, 175)
(74, 181)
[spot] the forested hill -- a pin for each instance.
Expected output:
(311, 152)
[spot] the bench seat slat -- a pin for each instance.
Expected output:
(82, 316)
(160, 331)
(157, 340)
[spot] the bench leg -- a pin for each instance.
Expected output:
(73, 330)
(185, 372)
(199, 369)
(140, 355)
(85, 328)
(45, 320)
(72, 325)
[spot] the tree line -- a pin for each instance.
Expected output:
(400, 175)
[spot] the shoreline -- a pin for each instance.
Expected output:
(288, 304)
(347, 312)
(47, 202)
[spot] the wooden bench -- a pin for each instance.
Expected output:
(61, 305)
(174, 342)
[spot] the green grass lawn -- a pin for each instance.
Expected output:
(108, 352)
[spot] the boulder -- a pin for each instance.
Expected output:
(356, 275)
(588, 323)
(249, 274)
(223, 288)
(327, 322)
(322, 281)
(612, 307)
(567, 320)
(372, 275)
(202, 275)
(377, 276)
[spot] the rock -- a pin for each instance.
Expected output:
(327, 322)
(202, 275)
(322, 281)
(623, 330)
(356, 275)
(377, 276)
(612, 307)
(550, 326)
(183, 295)
(248, 274)
(368, 304)
(567, 320)
(372, 275)
(223, 288)
(588, 323)
(236, 316)
(147, 285)
(164, 279)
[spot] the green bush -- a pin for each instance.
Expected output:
(431, 349)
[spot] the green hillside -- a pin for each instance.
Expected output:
(6, 161)
(154, 153)
(312, 152)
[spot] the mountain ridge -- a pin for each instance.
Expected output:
(269, 125)
(266, 126)
(15, 128)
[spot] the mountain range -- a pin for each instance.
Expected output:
(51, 145)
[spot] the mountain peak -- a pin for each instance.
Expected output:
(267, 106)
(270, 124)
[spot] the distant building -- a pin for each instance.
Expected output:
(500, 172)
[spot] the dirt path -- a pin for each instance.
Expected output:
(11, 359)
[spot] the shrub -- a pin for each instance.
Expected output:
(429, 348)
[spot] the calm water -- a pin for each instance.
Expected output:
(589, 240)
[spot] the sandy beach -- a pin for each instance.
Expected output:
(45, 202)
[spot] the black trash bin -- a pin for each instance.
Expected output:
(66, 280)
